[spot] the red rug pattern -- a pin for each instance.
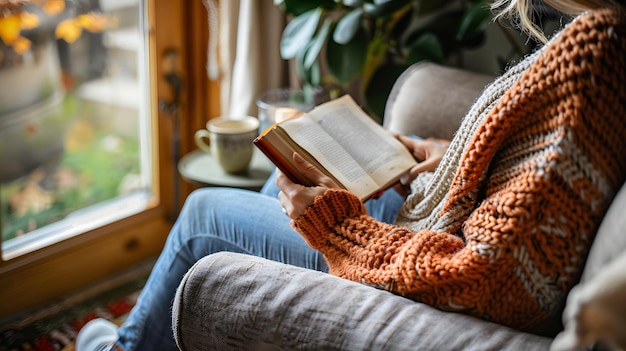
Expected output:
(58, 331)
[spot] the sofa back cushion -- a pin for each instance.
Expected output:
(610, 241)
(429, 100)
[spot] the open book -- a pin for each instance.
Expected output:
(343, 142)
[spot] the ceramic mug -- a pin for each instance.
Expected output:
(229, 141)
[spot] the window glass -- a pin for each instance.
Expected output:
(74, 120)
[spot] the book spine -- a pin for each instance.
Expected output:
(280, 163)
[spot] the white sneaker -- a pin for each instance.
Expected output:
(97, 335)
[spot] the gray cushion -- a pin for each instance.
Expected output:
(610, 241)
(415, 103)
(232, 301)
(595, 311)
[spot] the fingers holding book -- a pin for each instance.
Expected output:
(296, 198)
(428, 153)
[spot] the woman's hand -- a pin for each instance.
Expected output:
(428, 153)
(295, 198)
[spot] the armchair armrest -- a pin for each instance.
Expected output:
(430, 100)
(231, 301)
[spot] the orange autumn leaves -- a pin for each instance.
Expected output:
(71, 29)
(13, 19)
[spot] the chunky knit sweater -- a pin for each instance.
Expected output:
(502, 228)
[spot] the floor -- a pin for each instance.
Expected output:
(133, 277)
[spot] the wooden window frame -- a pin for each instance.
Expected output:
(40, 277)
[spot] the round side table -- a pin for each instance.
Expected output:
(200, 168)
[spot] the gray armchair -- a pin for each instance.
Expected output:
(232, 301)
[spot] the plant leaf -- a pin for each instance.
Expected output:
(298, 33)
(68, 30)
(383, 8)
(378, 90)
(54, 7)
(400, 22)
(299, 7)
(473, 22)
(444, 27)
(9, 28)
(315, 74)
(425, 7)
(426, 47)
(92, 22)
(28, 20)
(346, 61)
(348, 26)
(376, 50)
(351, 3)
(317, 44)
(310, 75)
(21, 45)
(303, 73)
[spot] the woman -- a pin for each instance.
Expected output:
(506, 214)
(510, 217)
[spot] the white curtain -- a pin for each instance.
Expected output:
(244, 53)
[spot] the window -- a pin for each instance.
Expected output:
(75, 127)
(114, 161)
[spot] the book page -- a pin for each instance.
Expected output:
(348, 144)
(315, 139)
(374, 149)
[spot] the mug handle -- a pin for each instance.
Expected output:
(202, 139)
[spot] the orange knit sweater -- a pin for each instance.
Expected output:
(532, 187)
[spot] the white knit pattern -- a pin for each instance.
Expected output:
(423, 207)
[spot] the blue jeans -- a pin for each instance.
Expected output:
(220, 219)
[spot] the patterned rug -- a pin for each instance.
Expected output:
(54, 327)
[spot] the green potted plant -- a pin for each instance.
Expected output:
(367, 43)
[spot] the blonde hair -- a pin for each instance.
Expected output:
(520, 11)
